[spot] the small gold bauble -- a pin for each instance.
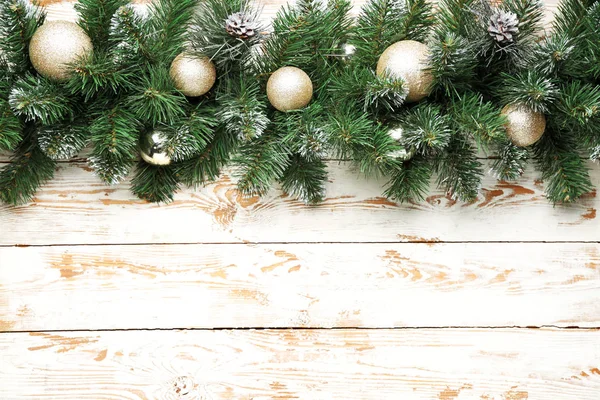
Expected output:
(289, 88)
(524, 126)
(55, 45)
(153, 148)
(193, 76)
(408, 60)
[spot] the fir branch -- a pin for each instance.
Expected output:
(578, 103)
(415, 22)
(379, 156)
(530, 14)
(385, 92)
(154, 184)
(376, 28)
(260, 162)
(570, 17)
(38, 99)
(303, 132)
(349, 131)
(453, 63)
(155, 99)
(477, 119)
(169, 22)
(11, 127)
(530, 88)
(456, 17)
(130, 38)
(511, 161)
(208, 34)
(242, 109)
(28, 170)
(566, 174)
(460, 172)
(114, 136)
(207, 166)
(426, 129)
(363, 86)
(410, 181)
(98, 74)
(554, 55)
(95, 17)
(305, 179)
(18, 21)
(62, 141)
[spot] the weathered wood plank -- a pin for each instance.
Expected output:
(303, 364)
(335, 285)
(76, 208)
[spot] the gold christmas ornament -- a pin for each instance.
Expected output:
(408, 60)
(153, 148)
(193, 76)
(56, 44)
(289, 88)
(524, 126)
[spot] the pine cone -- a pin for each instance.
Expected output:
(503, 26)
(240, 25)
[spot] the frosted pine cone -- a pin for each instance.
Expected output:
(240, 25)
(503, 26)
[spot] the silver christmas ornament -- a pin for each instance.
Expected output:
(193, 76)
(408, 60)
(346, 52)
(404, 153)
(289, 88)
(153, 148)
(55, 45)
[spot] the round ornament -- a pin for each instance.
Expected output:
(55, 45)
(289, 88)
(404, 153)
(524, 126)
(346, 52)
(408, 60)
(153, 148)
(193, 76)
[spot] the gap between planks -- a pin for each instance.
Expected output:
(334, 328)
(427, 242)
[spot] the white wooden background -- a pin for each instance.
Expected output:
(104, 297)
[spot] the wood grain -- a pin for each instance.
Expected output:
(338, 285)
(444, 364)
(76, 208)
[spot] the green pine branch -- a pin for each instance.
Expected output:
(28, 170)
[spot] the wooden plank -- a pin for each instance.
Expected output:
(84, 211)
(336, 285)
(303, 364)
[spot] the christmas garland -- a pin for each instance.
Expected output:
(178, 90)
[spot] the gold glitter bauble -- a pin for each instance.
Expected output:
(408, 60)
(289, 88)
(153, 148)
(193, 76)
(524, 126)
(56, 44)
